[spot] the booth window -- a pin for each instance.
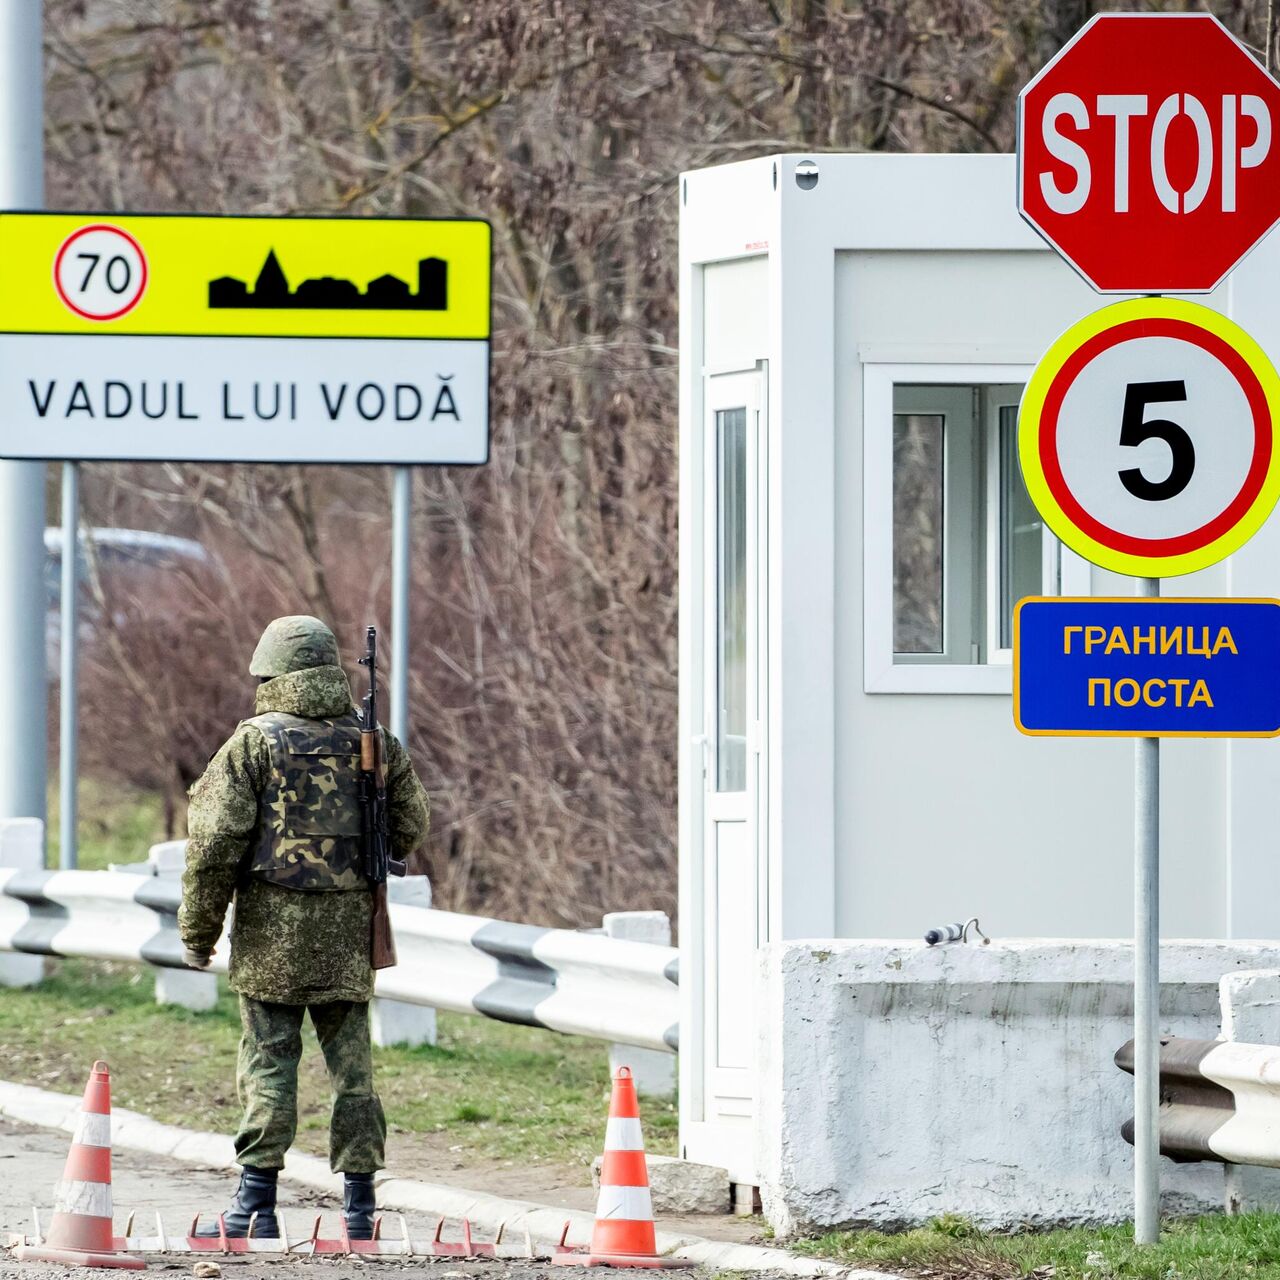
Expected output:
(731, 604)
(967, 543)
(1021, 532)
(951, 540)
(919, 487)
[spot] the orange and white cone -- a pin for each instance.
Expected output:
(623, 1235)
(80, 1233)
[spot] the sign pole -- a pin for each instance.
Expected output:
(23, 692)
(1146, 990)
(401, 530)
(68, 688)
(1153, 369)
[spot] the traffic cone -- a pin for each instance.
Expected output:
(623, 1235)
(80, 1233)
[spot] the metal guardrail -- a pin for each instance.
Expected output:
(1219, 1100)
(577, 983)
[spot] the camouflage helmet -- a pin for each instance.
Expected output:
(293, 644)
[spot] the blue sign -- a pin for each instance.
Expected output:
(1147, 667)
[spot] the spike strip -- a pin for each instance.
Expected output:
(404, 1246)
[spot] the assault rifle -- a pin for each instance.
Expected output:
(375, 837)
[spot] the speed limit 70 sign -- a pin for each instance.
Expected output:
(1147, 437)
(100, 272)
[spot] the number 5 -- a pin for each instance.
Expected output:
(1134, 431)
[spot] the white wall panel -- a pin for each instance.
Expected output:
(736, 302)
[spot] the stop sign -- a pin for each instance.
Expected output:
(1145, 152)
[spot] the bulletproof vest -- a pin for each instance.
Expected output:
(308, 833)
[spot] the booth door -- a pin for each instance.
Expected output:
(732, 872)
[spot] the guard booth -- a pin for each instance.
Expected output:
(854, 532)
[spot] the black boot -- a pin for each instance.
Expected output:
(358, 1205)
(257, 1194)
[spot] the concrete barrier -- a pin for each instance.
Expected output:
(898, 1082)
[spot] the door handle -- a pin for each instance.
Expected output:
(703, 741)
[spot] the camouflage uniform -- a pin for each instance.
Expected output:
(274, 823)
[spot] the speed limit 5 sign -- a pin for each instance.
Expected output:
(1147, 437)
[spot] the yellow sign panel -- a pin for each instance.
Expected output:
(244, 277)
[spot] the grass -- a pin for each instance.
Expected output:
(114, 823)
(950, 1248)
(497, 1091)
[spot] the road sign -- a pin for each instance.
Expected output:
(1101, 667)
(1147, 437)
(1147, 152)
(244, 339)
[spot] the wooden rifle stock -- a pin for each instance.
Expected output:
(382, 943)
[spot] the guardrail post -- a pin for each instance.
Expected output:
(21, 845)
(392, 1022)
(1250, 1002)
(187, 988)
(183, 987)
(168, 858)
(653, 1072)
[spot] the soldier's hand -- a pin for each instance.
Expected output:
(196, 959)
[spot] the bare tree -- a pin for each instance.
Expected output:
(544, 615)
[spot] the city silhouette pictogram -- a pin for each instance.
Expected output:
(331, 293)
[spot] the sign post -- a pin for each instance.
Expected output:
(69, 671)
(1147, 668)
(226, 339)
(1147, 441)
(401, 540)
(1146, 434)
(1146, 978)
(23, 600)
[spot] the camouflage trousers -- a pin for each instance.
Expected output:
(267, 1082)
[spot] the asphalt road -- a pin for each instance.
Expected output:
(31, 1163)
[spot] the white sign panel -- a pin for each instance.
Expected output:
(236, 399)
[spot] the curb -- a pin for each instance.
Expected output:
(137, 1132)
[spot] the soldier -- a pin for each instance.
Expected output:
(274, 822)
